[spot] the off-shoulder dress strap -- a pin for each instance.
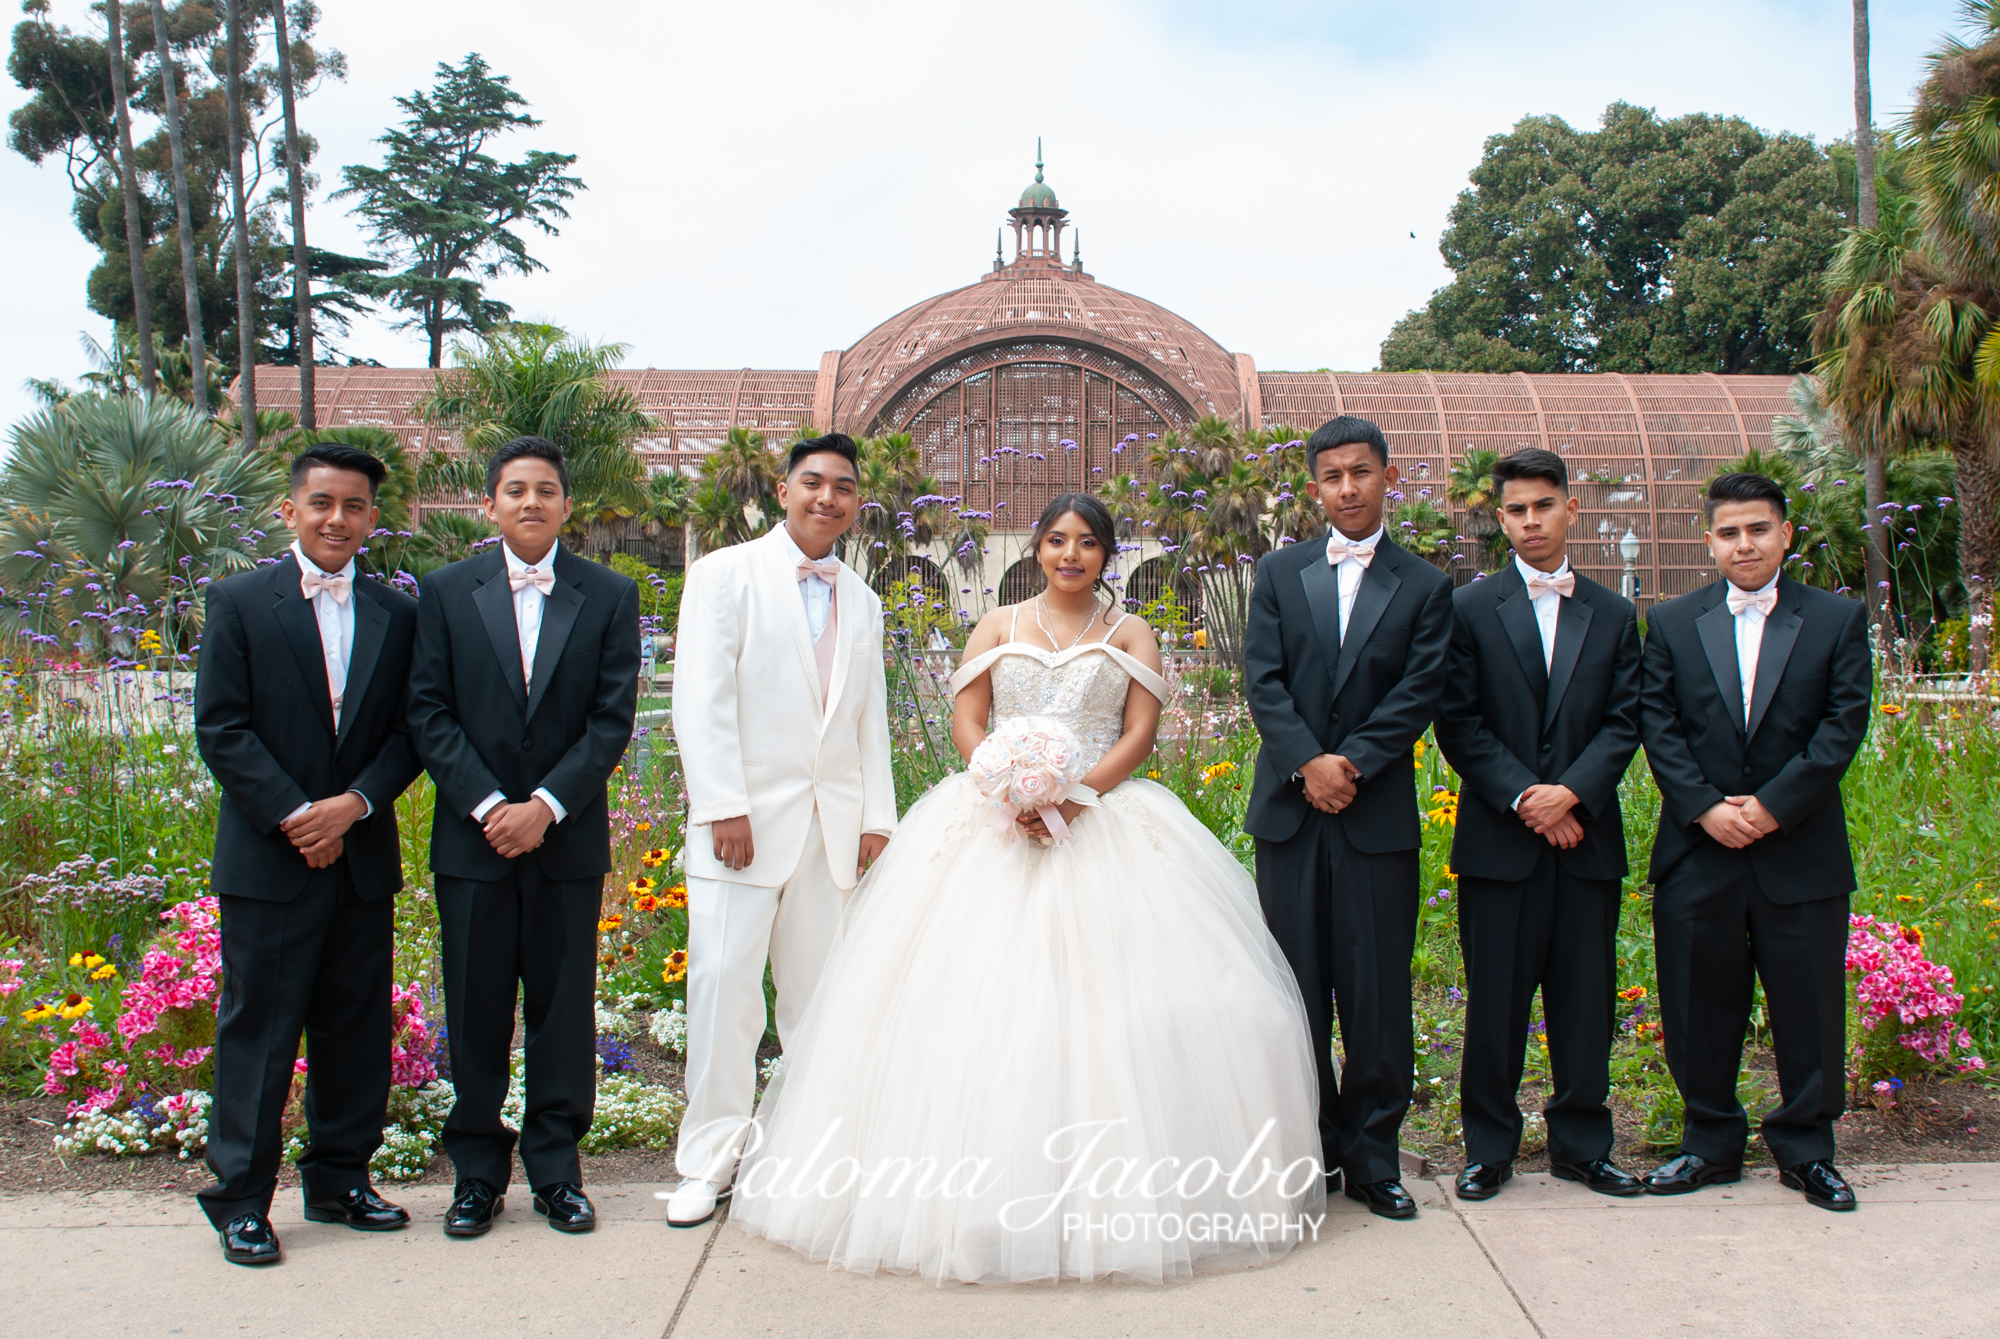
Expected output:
(1141, 675)
(977, 666)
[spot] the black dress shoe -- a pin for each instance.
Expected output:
(1690, 1171)
(474, 1206)
(1822, 1184)
(362, 1210)
(249, 1240)
(1333, 1182)
(567, 1208)
(1601, 1176)
(1482, 1180)
(1386, 1199)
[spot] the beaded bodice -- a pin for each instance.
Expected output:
(1083, 688)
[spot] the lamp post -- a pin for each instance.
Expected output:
(1628, 549)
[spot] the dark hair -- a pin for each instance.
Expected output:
(338, 456)
(1095, 515)
(1532, 463)
(839, 443)
(525, 448)
(1345, 431)
(1744, 488)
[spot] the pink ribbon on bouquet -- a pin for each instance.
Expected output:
(1003, 822)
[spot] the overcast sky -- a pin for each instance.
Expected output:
(770, 180)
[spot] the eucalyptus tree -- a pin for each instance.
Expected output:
(170, 111)
(235, 52)
(128, 183)
(295, 192)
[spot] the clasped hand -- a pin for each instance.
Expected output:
(1546, 810)
(1330, 782)
(319, 834)
(1031, 825)
(1737, 821)
(516, 829)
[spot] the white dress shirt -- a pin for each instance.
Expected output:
(336, 643)
(528, 604)
(1348, 573)
(815, 590)
(1749, 642)
(1548, 606)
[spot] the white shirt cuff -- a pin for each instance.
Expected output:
(1516, 805)
(485, 806)
(296, 812)
(554, 804)
(367, 805)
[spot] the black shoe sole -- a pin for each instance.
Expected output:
(335, 1216)
(1478, 1192)
(253, 1261)
(1379, 1210)
(1562, 1173)
(1831, 1206)
(1726, 1179)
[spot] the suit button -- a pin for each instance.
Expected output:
(1746, 771)
(527, 745)
(1548, 748)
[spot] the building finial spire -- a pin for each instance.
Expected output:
(1038, 158)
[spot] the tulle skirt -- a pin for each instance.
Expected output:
(1029, 1064)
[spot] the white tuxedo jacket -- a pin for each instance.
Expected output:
(753, 739)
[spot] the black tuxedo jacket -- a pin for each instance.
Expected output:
(263, 717)
(1511, 719)
(1808, 716)
(1367, 698)
(479, 730)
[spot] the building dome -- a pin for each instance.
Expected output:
(1038, 195)
(1032, 312)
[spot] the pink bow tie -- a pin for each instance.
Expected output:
(826, 569)
(312, 583)
(1338, 548)
(1562, 583)
(541, 578)
(1763, 601)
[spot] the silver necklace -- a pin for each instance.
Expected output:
(1040, 608)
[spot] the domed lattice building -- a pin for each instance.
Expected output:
(1028, 381)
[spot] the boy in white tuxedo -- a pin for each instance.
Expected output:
(781, 714)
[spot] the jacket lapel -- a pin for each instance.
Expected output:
(1379, 585)
(1572, 626)
(1718, 641)
(559, 610)
(301, 627)
(785, 578)
(1322, 589)
(371, 626)
(495, 602)
(846, 600)
(1517, 616)
(1781, 634)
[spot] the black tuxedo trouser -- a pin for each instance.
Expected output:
(1558, 932)
(1347, 921)
(321, 965)
(1713, 930)
(534, 936)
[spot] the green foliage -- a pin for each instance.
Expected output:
(1423, 528)
(659, 592)
(1693, 244)
(441, 206)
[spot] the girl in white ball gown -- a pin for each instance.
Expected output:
(1033, 1059)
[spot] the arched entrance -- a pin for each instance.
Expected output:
(1022, 581)
(1157, 577)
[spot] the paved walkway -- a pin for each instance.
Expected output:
(1546, 1258)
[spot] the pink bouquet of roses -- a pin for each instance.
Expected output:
(1028, 765)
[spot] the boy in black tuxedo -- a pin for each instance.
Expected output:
(1755, 699)
(521, 700)
(300, 714)
(1343, 664)
(1540, 717)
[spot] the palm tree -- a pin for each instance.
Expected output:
(536, 381)
(716, 520)
(1470, 487)
(171, 109)
(128, 187)
(744, 466)
(295, 178)
(1864, 124)
(246, 270)
(116, 507)
(1215, 443)
(445, 537)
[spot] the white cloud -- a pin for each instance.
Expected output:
(771, 180)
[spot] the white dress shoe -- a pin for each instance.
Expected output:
(693, 1202)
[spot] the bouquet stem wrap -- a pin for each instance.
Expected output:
(1029, 764)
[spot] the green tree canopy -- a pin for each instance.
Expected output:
(1686, 245)
(440, 205)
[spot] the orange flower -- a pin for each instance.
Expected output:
(677, 896)
(609, 923)
(676, 968)
(656, 857)
(1632, 993)
(646, 902)
(641, 886)
(1891, 709)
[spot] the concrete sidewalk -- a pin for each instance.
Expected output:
(1545, 1258)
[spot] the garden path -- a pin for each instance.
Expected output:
(1544, 1259)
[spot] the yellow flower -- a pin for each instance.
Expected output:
(1152, 776)
(92, 960)
(38, 1013)
(1891, 709)
(645, 827)
(677, 896)
(676, 968)
(609, 923)
(76, 1006)
(1420, 750)
(656, 857)
(104, 972)
(640, 886)
(646, 902)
